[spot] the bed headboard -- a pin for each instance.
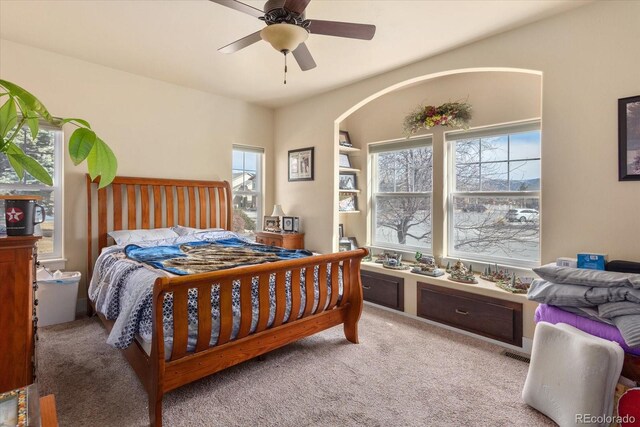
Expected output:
(134, 203)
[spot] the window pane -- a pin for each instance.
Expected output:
(524, 176)
(495, 148)
(46, 229)
(245, 213)
(489, 227)
(468, 177)
(467, 151)
(495, 176)
(525, 145)
(238, 160)
(251, 161)
(247, 208)
(42, 149)
(403, 220)
(406, 171)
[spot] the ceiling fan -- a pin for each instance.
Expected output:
(287, 29)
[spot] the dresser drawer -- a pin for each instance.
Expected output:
(271, 241)
(491, 317)
(383, 289)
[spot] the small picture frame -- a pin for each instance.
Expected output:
(348, 202)
(296, 224)
(353, 242)
(287, 224)
(344, 245)
(344, 140)
(301, 164)
(629, 139)
(341, 230)
(271, 223)
(345, 162)
(348, 181)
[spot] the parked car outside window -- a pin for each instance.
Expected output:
(474, 208)
(522, 215)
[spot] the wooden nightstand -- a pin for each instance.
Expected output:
(283, 240)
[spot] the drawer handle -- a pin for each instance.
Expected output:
(464, 313)
(366, 287)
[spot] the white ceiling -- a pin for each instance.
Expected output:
(177, 41)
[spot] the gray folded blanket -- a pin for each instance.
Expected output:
(619, 304)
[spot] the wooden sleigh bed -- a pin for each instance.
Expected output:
(155, 203)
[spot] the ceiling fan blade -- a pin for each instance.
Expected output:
(342, 29)
(240, 7)
(303, 57)
(297, 6)
(241, 44)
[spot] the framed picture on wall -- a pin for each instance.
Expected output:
(301, 164)
(629, 138)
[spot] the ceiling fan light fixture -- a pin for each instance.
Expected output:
(284, 37)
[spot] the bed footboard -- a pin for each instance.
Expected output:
(185, 366)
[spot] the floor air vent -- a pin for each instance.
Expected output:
(516, 356)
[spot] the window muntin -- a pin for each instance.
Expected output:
(247, 189)
(47, 149)
(495, 172)
(402, 195)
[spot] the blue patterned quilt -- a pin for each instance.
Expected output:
(121, 289)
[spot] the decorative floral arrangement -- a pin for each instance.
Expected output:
(450, 114)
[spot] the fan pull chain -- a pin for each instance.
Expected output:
(285, 66)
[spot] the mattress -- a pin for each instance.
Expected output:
(554, 315)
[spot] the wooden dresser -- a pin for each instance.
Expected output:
(283, 240)
(17, 321)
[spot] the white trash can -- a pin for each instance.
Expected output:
(57, 296)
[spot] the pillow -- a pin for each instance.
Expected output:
(571, 373)
(587, 277)
(185, 231)
(124, 237)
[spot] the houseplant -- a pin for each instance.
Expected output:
(19, 108)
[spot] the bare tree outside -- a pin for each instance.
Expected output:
(403, 197)
(494, 197)
(495, 200)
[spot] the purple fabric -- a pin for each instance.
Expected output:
(551, 314)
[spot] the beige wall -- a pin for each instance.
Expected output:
(156, 129)
(496, 97)
(588, 60)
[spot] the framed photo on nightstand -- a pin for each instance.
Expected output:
(288, 223)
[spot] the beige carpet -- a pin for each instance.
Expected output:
(404, 373)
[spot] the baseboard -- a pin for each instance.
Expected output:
(526, 342)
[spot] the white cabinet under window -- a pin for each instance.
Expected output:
(47, 148)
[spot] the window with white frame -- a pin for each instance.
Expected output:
(247, 189)
(401, 177)
(494, 194)
(47, 149)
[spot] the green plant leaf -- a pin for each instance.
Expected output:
(102, 162)
(30, 165)
(29, 100)
(34, 126)
(16, 166)
(8, 117)
(80, 144)
(80, 122)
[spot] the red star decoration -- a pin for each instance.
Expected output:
(14, 215)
